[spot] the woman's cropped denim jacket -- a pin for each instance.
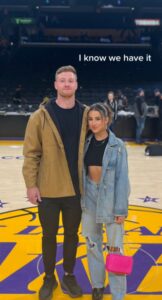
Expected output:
(113, 189)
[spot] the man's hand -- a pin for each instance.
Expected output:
(119, 219)
(33, 195)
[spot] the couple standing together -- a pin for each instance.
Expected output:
(85, 177)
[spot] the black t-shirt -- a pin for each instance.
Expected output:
(95, 152)
(68, 121)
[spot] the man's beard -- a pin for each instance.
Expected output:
(67, 95)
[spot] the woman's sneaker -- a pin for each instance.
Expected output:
(97, 293)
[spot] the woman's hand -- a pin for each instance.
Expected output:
(119, 219)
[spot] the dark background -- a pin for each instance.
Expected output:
(37, 37)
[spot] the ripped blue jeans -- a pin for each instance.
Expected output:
(93, 233)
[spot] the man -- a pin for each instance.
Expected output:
(53, 152)
(17, 97)
(158, 102)
(113, 105)
(140, 110)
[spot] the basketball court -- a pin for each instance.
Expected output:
(21, 268)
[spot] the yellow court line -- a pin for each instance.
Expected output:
(132, 143)
(11, 143)
(20, 142)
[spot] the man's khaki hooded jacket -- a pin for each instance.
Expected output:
(45, 164)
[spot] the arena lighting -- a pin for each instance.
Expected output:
(147, 22)
(115, 9)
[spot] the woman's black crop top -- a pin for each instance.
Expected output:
(95, 152)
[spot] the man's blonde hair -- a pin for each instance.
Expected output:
(65, 69)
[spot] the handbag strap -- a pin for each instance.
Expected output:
(112, 247)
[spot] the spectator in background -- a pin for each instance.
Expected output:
(112, 103)
(17, 97)
(158, 102)
(140, 110)
(121, 100)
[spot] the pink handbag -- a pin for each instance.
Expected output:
(119, 264)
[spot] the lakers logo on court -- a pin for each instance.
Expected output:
(21, 261)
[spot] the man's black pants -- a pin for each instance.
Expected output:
(49, 212)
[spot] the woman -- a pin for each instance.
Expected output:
(105, 199)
